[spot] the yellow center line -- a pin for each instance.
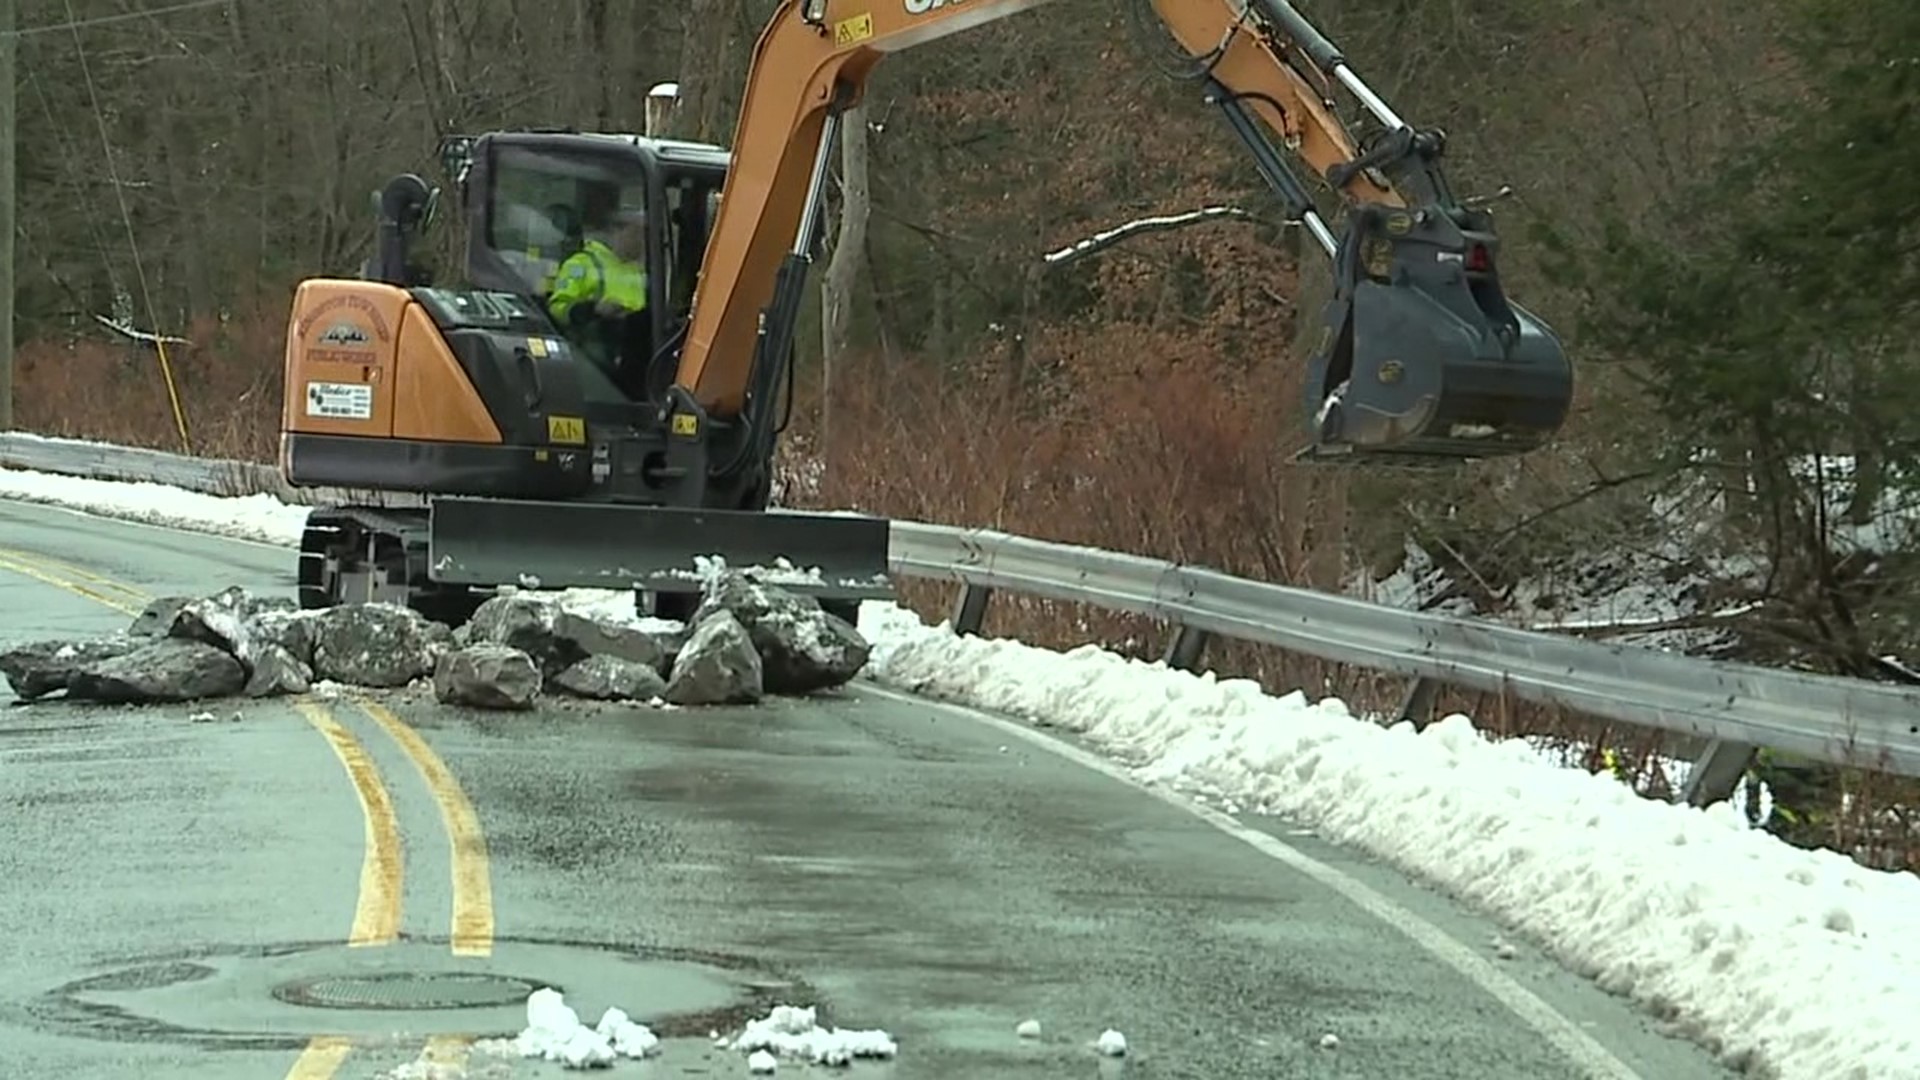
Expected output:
(29, 569)
(376, 918)
(472, 885)
(321, 1059)
(81, 572)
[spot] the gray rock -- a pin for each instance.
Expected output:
(802, 647)
(487, 675)
(277, 671)
(375, 645)
(157, 617)
(292, 631)
(164, 669)
(604, 637)
(717, 666)
(611, 678)
(43, 667)
(805, 650)
(219, 620)
(527, 623)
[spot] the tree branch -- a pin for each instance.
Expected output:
(1103, 240)
(142, 336)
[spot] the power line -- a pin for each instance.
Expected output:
(126, 218)
(102, 20)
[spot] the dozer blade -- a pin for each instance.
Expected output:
(1427, 364)
(553, 545)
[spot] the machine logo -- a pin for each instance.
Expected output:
(921, 7)
(344, 335)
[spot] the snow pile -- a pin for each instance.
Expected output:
(790, 1031)
(1800, 959)
(554, 1033)
(254, 517)
(1111, 1043)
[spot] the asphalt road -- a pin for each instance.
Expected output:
(290, 888)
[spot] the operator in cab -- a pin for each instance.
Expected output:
(603, 283)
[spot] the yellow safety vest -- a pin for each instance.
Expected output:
(596, 273)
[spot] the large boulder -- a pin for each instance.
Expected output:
(276, 671)
(156, 619)
(605, 637)
(802, 647)
(164, 669)
(717, 665)
(40, 668)
(219, 620)
(605, 677)
(487, 675)
(377, 645)
(526, 623)
(294, 632)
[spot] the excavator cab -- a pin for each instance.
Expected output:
(1421, 359)
(539, 198)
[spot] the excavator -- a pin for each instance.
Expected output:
(534, 458)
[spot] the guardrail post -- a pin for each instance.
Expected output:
(1417, 706)
(1717, 772)
(970, 610)
(1183, 652)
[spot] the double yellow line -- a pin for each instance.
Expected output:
(376, 916)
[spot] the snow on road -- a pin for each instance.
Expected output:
(1800, 962)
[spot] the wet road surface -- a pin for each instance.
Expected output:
(336, 886)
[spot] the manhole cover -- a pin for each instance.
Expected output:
(407, 990)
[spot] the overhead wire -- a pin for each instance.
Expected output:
(126, 219)
(102, 20)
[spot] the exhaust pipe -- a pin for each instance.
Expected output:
(663, 101)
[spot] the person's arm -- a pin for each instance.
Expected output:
(576, 282)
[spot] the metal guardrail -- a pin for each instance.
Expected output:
(1734, 708)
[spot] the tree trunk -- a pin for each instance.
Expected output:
(843, 269)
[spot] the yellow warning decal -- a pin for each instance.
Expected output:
(685, 424)
(537, 346)
(852, 31)
(567, 429)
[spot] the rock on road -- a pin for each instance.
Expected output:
(337, 886)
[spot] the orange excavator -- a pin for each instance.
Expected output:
(595, 445)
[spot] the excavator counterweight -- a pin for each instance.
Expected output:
(599, 401)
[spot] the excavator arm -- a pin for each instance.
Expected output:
(1420, 349)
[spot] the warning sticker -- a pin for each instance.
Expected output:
(340, 401)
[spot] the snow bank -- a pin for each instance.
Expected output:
(1803, 960)
(254, 517)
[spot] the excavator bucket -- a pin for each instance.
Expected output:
(555, 545)
(1422, 361)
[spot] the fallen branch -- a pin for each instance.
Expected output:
(1115, 235)
(141, 336)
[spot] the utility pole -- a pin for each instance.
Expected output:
(7, 41)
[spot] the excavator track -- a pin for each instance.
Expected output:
(360, 554)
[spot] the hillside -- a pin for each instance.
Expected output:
(1701, 204)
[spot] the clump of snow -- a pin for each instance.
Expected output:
(791, 1031)
(1111, 1043)
(1027, 1029)
(1801, 961)
(554, 1033)
(761, 1063)
(1329, 1041)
